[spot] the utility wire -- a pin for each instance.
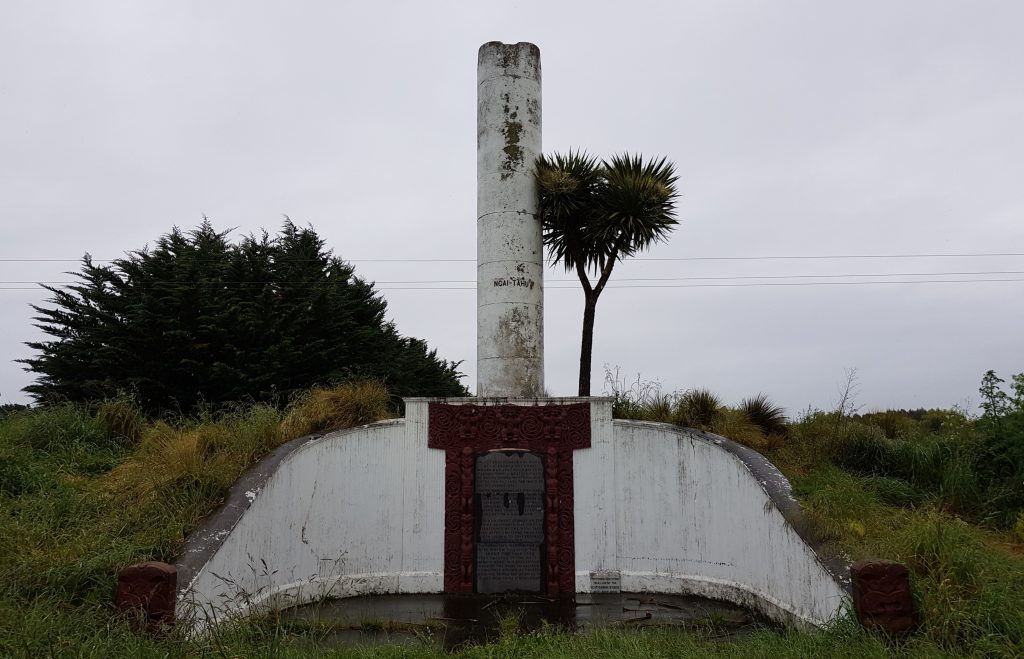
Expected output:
(611, 286)
(563, 281)
(746, 285)
(636, 258)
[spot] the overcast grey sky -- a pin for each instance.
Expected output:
(798, 128)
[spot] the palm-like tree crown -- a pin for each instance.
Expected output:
(592, 212)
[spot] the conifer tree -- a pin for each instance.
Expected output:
(198, 320)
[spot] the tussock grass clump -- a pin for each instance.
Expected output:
(343, 406)
(121, 419)
(764, 414)
(699, 408)
(737, 426)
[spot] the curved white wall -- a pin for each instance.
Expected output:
(674, 510)
(355, 512)
(361, 511)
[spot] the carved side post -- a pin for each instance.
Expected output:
(149, 590)
(882, 597)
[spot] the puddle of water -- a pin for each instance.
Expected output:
(454, 621)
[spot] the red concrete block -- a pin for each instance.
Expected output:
(882, 597)
(150, 590)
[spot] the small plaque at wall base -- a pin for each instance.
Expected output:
(605, 581)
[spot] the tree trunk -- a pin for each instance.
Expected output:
(587, 344)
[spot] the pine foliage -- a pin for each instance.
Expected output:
(198, 321)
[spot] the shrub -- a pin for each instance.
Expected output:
(943, 420)
(629, 401)
(892, 423)
(659, 407)
(862, 449)
(941, 465)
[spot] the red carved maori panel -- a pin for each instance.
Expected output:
(148, 590)
(882, 598)
(554, 432)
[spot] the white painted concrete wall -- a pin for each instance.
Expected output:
(510, 267)
(356, 512)
(673, 512)
(362, 512)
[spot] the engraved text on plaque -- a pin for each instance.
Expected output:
(510, 533)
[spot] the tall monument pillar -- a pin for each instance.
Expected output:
(510, 252)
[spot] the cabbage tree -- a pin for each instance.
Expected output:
(596, 213)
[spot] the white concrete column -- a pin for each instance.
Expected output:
(510, 253)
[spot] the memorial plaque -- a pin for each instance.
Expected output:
(605, 581)
(511, 517)
(504, 567)
(510, 533)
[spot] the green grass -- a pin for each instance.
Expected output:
(45, 630)
(85, 492)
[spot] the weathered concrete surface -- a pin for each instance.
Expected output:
(359, 511)
(657, 509)
(679, 511)
(510, 267)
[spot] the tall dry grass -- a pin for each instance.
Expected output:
(343, 406)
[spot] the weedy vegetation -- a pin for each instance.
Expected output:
(938, 490)
(86, 490)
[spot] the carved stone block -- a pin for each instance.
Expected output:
(882, 597)
(149, 589)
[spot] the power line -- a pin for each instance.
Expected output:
(563, 281)
(744, 285)
(637, 258)
(726, 285)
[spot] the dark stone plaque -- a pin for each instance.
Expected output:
(504, 567)
(510, 534)
(511, 517)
